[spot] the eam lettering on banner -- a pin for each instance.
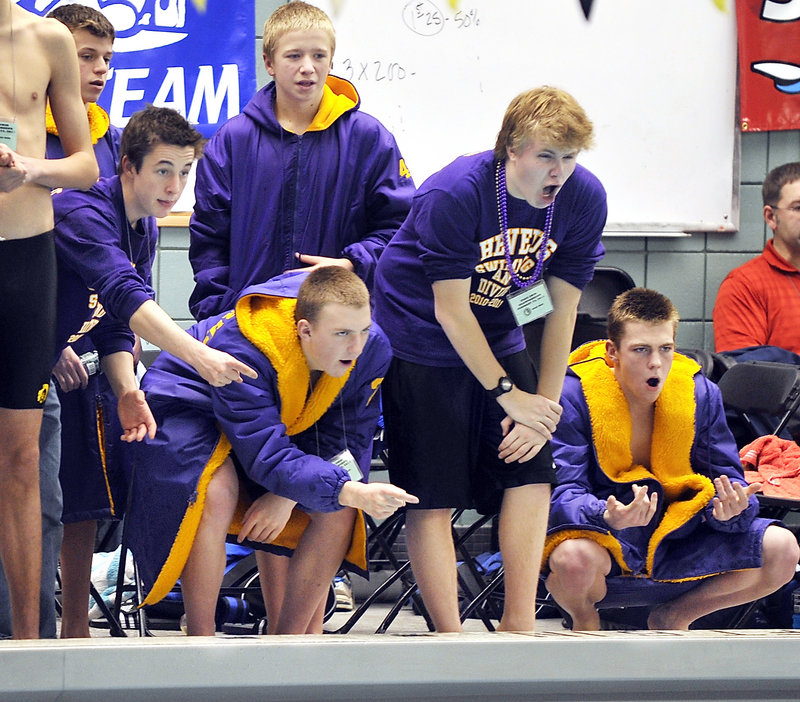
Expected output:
(208, 94)
(194, 56)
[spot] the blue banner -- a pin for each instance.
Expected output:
(195, 56)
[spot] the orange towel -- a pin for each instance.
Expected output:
(775, 463)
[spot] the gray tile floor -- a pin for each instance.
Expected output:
(407, 622)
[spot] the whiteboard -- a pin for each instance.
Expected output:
(657, 78)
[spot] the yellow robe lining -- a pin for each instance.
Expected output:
(685, 492)
(101, 445)
(268, 323)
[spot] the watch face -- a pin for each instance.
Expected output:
(505, 384)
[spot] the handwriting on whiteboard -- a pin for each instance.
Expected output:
(424, 17)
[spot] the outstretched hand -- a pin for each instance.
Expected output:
(314, 262)
(732, 498)
(379, 500)
(639, 512)
(219, 368)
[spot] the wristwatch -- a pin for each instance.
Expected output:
(504, 385)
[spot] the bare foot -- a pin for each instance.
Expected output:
(662, 618)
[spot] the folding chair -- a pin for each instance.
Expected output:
(596, 299)
(713, 365)
(762, 397)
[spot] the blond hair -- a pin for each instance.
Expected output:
(546, 113)
(295, 17)
(329, 284)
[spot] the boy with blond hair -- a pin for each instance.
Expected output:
(493, 240)
(277, 461)
(301, 178)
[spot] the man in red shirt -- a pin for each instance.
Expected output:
(758, 303)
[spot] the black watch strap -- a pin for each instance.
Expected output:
(504, 385)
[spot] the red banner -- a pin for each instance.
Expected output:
(769, 64)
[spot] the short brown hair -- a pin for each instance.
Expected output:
(329, 284)
(295, 17)
(776, 179)
(76, 16)
(639, 305)
(547, 113)
(157, 125)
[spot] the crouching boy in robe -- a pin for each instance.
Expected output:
(650, 483)
(278, 460)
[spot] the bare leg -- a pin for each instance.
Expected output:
(523, 523)
(202, 575)
(433, 559)
(76, 571)
(780, 555)
(316, 559)
(577, 580)
(21, 517)
(273, 572)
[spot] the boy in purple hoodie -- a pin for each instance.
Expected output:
(105, 244)
(302, 177)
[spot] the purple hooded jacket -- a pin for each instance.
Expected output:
(262, 194)
(100, 257)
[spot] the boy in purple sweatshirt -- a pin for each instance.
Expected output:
(105, 245)
(493, 241)
(301, 178)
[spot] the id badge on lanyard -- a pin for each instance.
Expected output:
(530, 303)
(8, 134)
(344, 459)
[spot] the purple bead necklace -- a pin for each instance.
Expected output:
(502, 215)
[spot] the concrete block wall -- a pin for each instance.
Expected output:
(689, 270)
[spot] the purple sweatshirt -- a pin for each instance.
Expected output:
(452, 233)
(104, 265)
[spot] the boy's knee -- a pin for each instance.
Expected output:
(781, 553)
(578, 560)
(19, 465)
(222, 494)
(341, 520)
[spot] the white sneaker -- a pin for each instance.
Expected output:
(343, 590)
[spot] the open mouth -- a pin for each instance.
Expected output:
(653, 382)
(550, 190)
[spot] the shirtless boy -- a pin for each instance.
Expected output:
(41, 55)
